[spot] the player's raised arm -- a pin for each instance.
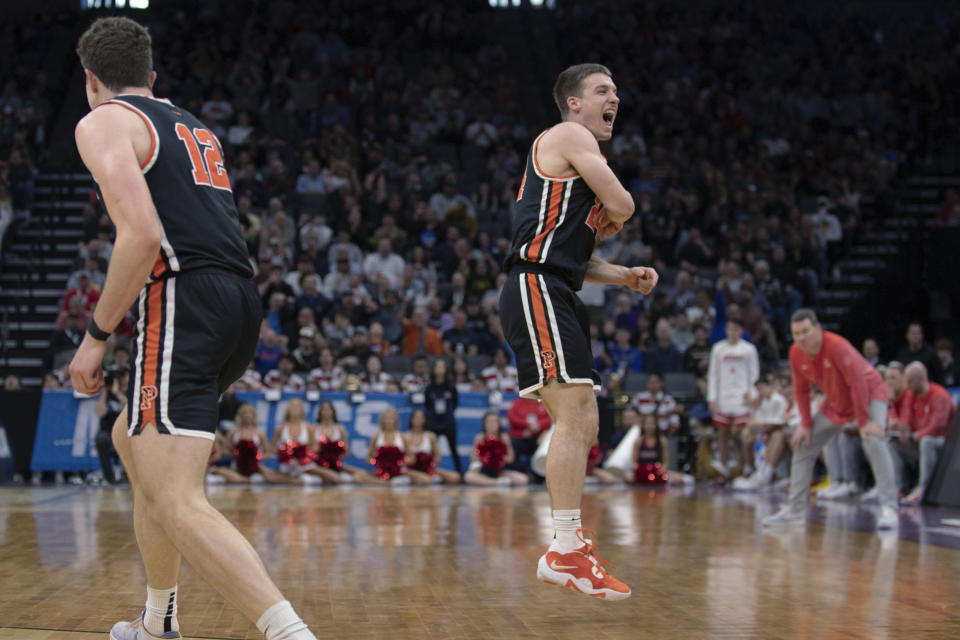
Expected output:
(105, 139)
(579, 147)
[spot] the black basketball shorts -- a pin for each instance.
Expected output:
(196, 334)
(547, 326)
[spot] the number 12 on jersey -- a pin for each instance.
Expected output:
(208, 168)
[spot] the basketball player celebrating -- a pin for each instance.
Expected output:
(853, 393)
(179, 249)
(568, 198)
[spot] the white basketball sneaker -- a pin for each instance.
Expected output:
(136, 631)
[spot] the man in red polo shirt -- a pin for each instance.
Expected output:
(903, 448)
(853, 393)
(930, 414)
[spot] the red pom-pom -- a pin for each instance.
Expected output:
(650, 473)
(329, 453)
(247, 456)
(593, 458)
(388, 462)
(424, 462)
(492, 452)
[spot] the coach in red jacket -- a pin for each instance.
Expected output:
(854, 393)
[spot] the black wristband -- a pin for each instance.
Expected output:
(96, 332)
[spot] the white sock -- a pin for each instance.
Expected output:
(281, 622)
(160, 612)
(565, 525)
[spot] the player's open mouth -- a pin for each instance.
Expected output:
(608, 116)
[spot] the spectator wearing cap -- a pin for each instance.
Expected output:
(918, 350)
(662, 357)
(305, 355)
(384, 263)
(283, 377)
(419, 337)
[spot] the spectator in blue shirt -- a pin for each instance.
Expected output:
(624, 354)
(662, 357)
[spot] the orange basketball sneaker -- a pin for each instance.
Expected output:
(580, 570)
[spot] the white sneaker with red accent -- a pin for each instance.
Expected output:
(580, 570)
(136, 631)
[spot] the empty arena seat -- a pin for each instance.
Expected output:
(397, 365)
(634, 383)
(478, 363)
(681, 385)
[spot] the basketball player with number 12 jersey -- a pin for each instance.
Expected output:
(180, 256)
(568, 198)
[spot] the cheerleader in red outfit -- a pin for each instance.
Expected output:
(423, 452)
(387, 454)
(594, 458)
(650, 455)
(492, 451)
(249, 445)
(293, 440)
(331, 440)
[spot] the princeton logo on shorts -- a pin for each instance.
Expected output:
(549, 359)
(147, 394)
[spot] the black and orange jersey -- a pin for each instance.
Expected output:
(191, 192)
(554, 222)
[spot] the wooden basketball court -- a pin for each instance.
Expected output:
(366, 563)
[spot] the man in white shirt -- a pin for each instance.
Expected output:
(733, 371)
(768, 418)
(384, 263)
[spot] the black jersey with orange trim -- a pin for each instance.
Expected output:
(191, 192)
(554, 222)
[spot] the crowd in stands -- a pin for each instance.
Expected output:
(751, 174)
(375, 171)
(25, 113)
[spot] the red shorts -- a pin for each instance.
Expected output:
(726, 419)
